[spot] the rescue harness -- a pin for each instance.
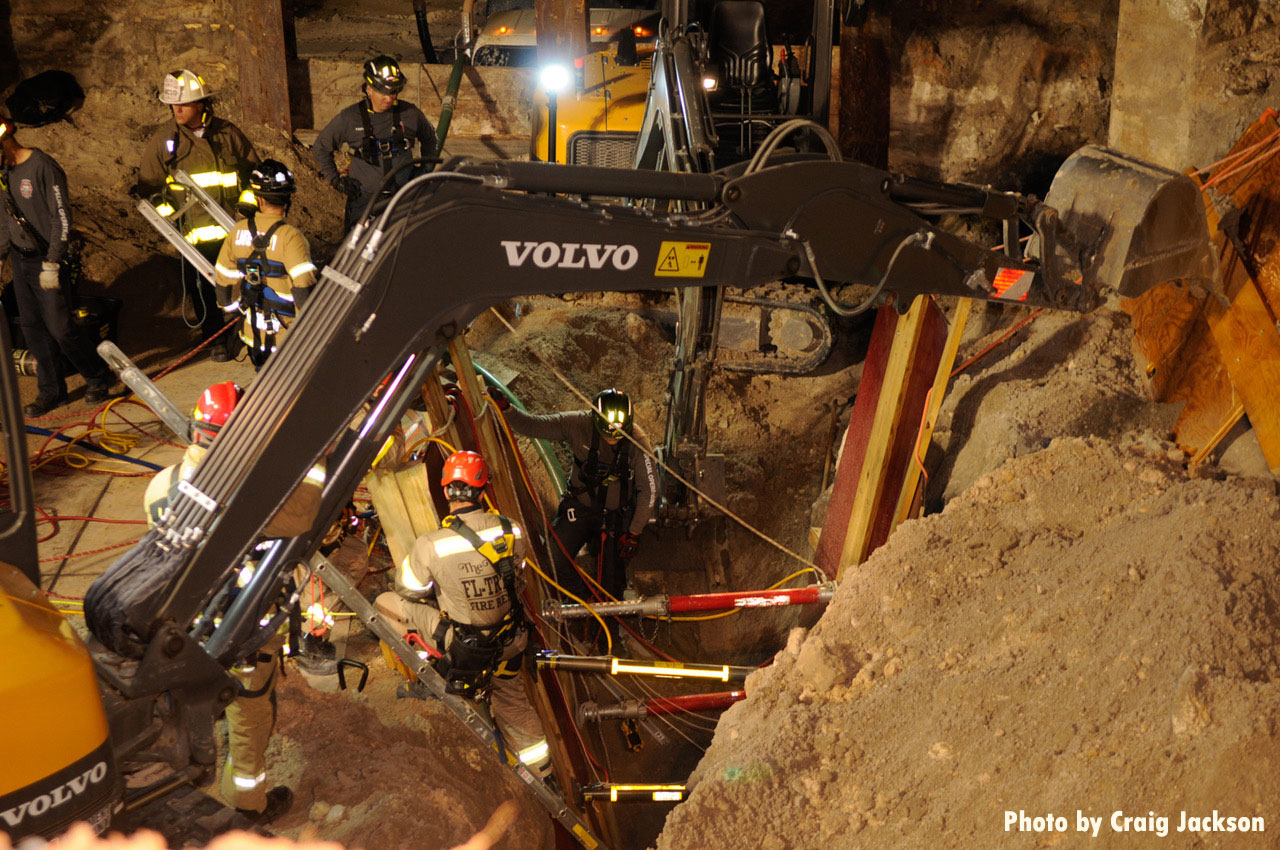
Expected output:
(265, 308)
(381, 152)
(598, 477)
(470, 661)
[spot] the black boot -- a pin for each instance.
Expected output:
(318, 656)
(279, 801)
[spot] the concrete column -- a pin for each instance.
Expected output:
(1190, 75)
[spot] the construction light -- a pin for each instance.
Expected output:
(554, 78)
(642, 32)
(673, 672)
(709, 83)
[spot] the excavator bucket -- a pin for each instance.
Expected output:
(1132, 225)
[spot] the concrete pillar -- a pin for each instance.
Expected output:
(1190, 75)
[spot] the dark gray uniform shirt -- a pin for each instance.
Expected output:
(347, 127)
(39, 191)
(576, 428)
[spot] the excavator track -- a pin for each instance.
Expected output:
(763, 335)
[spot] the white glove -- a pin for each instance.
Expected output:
(49, 275)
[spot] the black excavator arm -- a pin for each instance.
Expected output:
(448, 246)
(458, 241)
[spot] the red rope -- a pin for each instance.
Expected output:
(71, 555)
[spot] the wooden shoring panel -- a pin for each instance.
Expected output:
(548, 698)
(849, 466)
(910, 495)
(913, 361)
(899, 369)
(1218, 354)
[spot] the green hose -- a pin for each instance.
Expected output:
(450, 100)
(542, 447)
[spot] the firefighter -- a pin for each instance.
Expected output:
(252, 716)
(612, 489)
(264, 269)
(457, 590)
(217, 156)
(35, 222)
(379, 132)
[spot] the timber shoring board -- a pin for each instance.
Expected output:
(849, 467)
(1217, 357)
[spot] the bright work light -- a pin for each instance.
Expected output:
(554, 78)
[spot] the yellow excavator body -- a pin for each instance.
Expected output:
(58, 766)
(598, 117)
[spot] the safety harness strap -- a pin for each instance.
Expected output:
(376, 151)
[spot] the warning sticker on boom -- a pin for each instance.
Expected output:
(682, 259)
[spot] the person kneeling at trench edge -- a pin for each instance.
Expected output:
(457, 590)
(264, 269)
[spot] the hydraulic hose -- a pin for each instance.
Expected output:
(45, 432)
(542, 447)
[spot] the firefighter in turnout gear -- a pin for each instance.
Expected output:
(612, 490)
(252, 716)
(264, 269)
(457, 590)
(217, 156)
(379, 132)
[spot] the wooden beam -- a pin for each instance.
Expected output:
(864, 83)
(884, 456)
(263, 63)
(907, 497)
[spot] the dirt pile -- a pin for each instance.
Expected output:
(1060, 375)
(368, 770)
(1086, 628)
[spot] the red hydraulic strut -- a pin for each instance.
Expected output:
(663, 606)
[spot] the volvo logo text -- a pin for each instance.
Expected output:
(39, 805)
(571, 255)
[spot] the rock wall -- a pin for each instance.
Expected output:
(1190, 76)
(132, 43)
(999, 92)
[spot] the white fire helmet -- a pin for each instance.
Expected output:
(183, 86)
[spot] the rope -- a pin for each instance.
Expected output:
(693, 487)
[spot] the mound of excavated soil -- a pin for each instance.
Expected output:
(1087, 628)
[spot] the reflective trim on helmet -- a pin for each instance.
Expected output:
(301, 269)
(208, 233)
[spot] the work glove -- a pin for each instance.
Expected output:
(628, 543)
(49, 276)
(500, 399)
(347, 185)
